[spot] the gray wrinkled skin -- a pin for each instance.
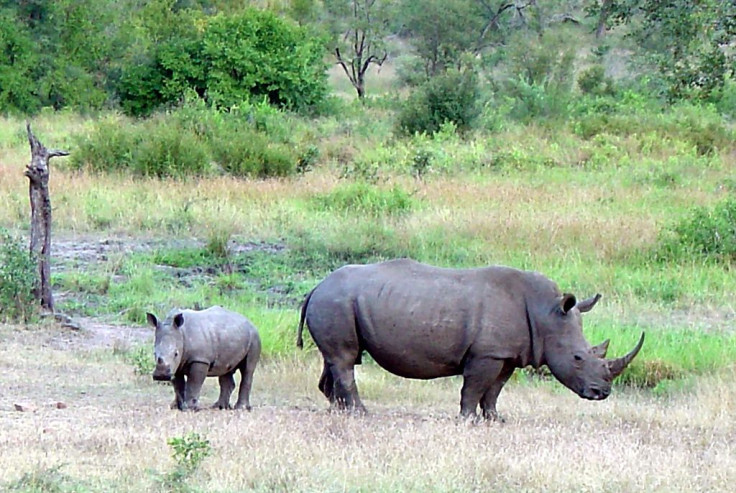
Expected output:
(419, 321)
(191, 345)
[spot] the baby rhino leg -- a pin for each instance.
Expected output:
(227, 385)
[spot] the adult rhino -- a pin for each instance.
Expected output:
(194, 344)
(420, 321)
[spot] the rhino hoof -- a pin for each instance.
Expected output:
(246, 407)
(218, 405)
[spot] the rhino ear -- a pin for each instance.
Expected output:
(567, 303)
(178, 320)
(152, 320)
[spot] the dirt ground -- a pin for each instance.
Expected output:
(111, 429)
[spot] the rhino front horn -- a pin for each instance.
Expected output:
(618, 365)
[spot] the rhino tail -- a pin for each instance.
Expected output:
(299, 340)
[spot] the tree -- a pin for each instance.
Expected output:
(688, 41)
(359, 27)
(40, 244)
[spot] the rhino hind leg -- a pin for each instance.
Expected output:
(227, 385)
(327, 383)
(488, 401)
(479, 375)
(345, 392)
(247, 368)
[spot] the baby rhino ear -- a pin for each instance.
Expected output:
(178, 320)
(152, 320)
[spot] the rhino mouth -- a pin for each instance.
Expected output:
(162, 377)
(594, 394)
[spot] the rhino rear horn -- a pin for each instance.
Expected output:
(618, 365)
(601, 349)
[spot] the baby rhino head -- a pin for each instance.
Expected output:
(169, 345)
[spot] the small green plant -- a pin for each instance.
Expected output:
(49, 480)
(188, 452)
(141, 357)
(17, 280)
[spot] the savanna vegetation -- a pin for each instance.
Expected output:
(235, 155)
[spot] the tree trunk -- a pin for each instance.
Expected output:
(600, 30)
(40, 244)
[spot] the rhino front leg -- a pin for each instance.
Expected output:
(488, 402)
(227, 385)
(180, 398)
(195, 379)
(478, 376)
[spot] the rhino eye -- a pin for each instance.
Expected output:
(176, 354)
(578, 357)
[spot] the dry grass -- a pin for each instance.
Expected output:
(113, 433)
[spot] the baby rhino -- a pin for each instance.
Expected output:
(191, 345)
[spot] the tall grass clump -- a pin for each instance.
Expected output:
(254, 140)
(18, 279)
(364, 198)
(158, 147)
(707, 232)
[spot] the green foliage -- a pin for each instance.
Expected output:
(541, 75)
(158, 147)
(18, 58)
(257, 54)
(443, 32)
(192, 141)
(706, 232)
(700, 127)
(188, 452)
(18, 278)
(693, 61)
(141, 357)
(452, 97)
(593, 81)
(47, 480)
(364, 198)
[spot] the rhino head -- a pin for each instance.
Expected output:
(572, 360)
(169, 345)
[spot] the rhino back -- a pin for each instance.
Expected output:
(218, 337)
(421, 321)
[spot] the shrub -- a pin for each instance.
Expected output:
(594, 81)
(450, 97)
(18, 279)
(191, 141)
(708, 232)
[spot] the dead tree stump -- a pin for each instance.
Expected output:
(40, 244)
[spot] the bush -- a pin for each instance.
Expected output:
(192, 140)
(18, 279)
(159, 147)
(593, 81)
(227, 60)
(450, 97)
(707, 232)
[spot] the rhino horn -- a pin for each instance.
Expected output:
(601, 349)
(618, 365)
